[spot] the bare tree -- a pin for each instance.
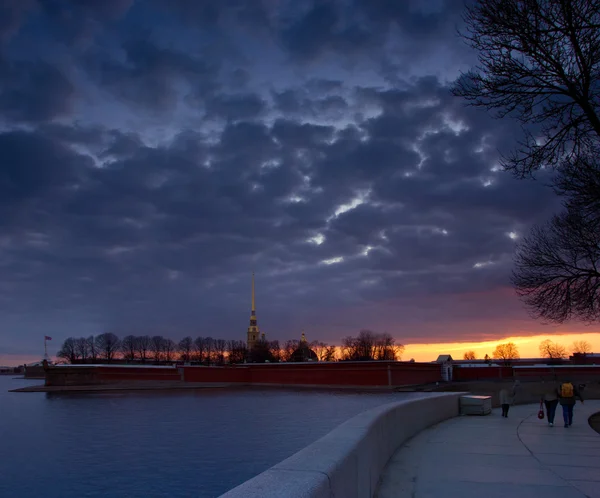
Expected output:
(288, 349)
(538, 62)
(320, 349)
(186, 347)
(82, 348)
(236, 351)
(324, 351)
(369, 345)
(168, 348)
(581, 347)
(68, 351)
(552, 350)
(108, 345)
(209, 344)
(557, 272)
(91, 340)
(129, 347)
(470, 355)
(143, 344)
(506, 352)
(578, 182)
(276, 351)
(156, 347)
(220, 347)
(386, 347)
(200, 349)
(330, 353)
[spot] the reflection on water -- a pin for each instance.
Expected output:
(177, 444)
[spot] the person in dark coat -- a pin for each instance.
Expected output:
(567, 393)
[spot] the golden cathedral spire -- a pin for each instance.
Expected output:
(253, 331)
(253, 303)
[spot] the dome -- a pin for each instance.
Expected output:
(304, 353)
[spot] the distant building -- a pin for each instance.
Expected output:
(445, 361)
(585, 359)
(253, 330)
(304, 353)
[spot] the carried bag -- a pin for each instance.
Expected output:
(541, 412)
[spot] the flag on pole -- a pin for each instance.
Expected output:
(47, 338)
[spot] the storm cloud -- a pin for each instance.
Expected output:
(154, 154)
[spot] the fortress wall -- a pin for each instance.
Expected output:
(367, 374)
(381, 374)
(349, 460)
(234, 374)
(85, 375)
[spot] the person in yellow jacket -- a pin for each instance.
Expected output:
(566, 397)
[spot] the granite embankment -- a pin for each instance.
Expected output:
(348, 461)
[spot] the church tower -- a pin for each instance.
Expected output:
(253, 331)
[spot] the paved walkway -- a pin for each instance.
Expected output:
(521, 456)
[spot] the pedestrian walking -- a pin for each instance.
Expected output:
(550, 400)
(566, 396)
(507, 398)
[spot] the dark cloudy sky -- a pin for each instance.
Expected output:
(154, 152)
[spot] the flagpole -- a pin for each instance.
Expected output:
(45, 348)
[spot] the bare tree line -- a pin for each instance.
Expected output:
(370, 345)
(157, 349)
(547, 348)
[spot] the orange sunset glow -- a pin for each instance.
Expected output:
(528, 346)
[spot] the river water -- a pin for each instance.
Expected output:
(158, 444)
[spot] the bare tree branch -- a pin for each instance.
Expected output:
(539, 62)
(557, 269)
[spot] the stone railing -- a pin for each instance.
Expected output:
(349, 460)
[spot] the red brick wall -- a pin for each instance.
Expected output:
(81, 376)
(366, 374)
(332, 374)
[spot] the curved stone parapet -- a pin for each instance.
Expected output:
(349, 460)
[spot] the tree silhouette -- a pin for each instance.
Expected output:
(156, 347)
(168, 349)
(552, 350)
(236, 351)
(220, 347)
(469, 355)
(82, 348)
(538, 63)
(93, 349)
(129, 347)
(581, 347)
(186, 347)
(108, 345)
(557, 269)
(506, 352)
(68, 351)
(143, 344)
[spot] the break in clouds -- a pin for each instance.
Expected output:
(155, 153)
